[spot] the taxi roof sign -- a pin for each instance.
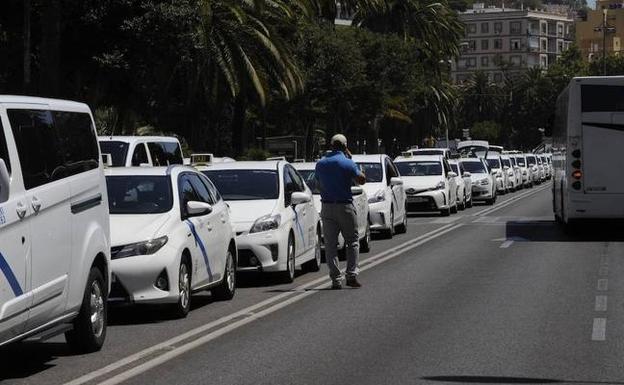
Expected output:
(201, 159)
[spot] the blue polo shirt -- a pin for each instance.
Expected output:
(335, 173)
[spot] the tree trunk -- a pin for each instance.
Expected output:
(50, 47)
(27, 46)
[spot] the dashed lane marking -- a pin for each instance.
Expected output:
(506, 244)
(601, 303)
(599, 329)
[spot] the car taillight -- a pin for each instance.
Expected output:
(576, 169)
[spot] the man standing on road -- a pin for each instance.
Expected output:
(336, 173)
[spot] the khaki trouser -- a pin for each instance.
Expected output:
(340, 218)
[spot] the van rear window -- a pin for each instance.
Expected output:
(165, 153)
(4, 152)
(602, 98)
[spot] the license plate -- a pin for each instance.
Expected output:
(417, 199)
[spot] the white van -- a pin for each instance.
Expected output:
(127, 151)
(54, 226)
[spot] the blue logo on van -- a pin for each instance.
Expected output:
(10, 277)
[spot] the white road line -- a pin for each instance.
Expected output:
(601, 303)
(603, 284)
(250, 312)
(599, 330)
(510, 201)
(448, 219)
(506, 244)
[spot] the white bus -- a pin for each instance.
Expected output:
(588, 138)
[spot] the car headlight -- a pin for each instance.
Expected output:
(534, 169)
(379, 196)
(499, 174)
(440, 186)
(266, 223)
(139, 248)
(484, 182)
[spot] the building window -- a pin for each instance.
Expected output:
(485, 45)
(544, 61)
(485, 27)
(544, 45)
(498, 44)
(471, 28)
(471, 62)
(485, 61)
(498, 27)
(498, 77)
(515, 60)
(559, 46)
(543, 28)
(515, 27)
(472, 45)
(515, 44)
(560, 30)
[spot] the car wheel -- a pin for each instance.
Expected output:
(288, 276)
(315, 264)
(89, 330)
(445, 212)
(402, 228)
(389, 233)
(365, 242)
(454, 209)
(469, 203)
(227, 288)
(183, 306)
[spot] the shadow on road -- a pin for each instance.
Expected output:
(510, 380)
(25, 359)
(550, 231)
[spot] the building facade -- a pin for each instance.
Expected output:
(499, 40)
(589, 36)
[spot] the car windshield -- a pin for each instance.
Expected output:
(239, 185)
(139, 194)
(373, 172)
(493, 163)
(419, 168)
(506, 162)
(531, 160)
(117, 150)
(455, 168)
(474, 167)
(520, 161)
(309, 176)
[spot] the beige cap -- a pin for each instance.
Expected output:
(339, 138)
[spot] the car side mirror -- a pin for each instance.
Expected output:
(451, 174)
(5, 181)
(196, 208)
(395, 181)
(467, 174)
(357, 190)
(299, 197)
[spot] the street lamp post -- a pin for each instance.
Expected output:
(604, 28)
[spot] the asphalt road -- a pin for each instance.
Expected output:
(492, 295)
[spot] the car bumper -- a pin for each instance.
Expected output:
(427, 201)
(480, 193)
(379, 214)
(265, 251)
(134, 278)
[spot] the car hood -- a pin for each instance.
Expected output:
(371, 188)
(476, 177)
(131, 228)
(243, 214)
(420, 182)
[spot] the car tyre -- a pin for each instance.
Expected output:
(365, 242)
(315, 264)
(89, 330)
(227, 288)
(445, 212)
(402, 227)
(182, 307)
(469, 203)
(389, 233)
(454, 209)
(288, 276)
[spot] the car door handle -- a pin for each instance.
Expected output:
(223, 219)
(36, 204)
(21, 210)
(208, 227)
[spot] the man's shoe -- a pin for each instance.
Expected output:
(353, 282)
(336, 285)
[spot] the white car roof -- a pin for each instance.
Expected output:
(369, 158)
(55, 104)
(470, 160)
(248, 165)
(304, 166)
(156, 171)
(419, 157)
(130, 139)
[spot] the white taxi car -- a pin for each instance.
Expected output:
(501, 178)
(483, 183)
(464, 184)
(429, 183)
(171, 236)
(128, 151)
(533, 168)
(524, 170)
(360, 201)
(277, 225)
(385, 192)
(508, 168)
